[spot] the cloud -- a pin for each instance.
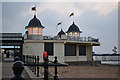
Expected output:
(59, 0)
(101, 8)
(80, 0)
(17, 15)
(104, 8)
(79, 8)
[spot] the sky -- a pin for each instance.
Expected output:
(96, 19)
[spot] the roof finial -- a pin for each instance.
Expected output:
(34, 16)
(73, 22)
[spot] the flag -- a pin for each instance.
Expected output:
(34, 8)
(59, 23)
(72, 14)
(115, 47)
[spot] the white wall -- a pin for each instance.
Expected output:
(59, 51)
(75, 58)
(34, 48)
(37, 48)
(89, 50)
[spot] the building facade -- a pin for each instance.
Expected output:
(11, 42)
(67, 46)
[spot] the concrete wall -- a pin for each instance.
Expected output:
(82, 58)
(34, 48)
(75, 58)
(37, 48)
(58, 51)
(70, 58)
(89, 50)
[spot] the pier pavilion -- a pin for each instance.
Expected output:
(67, 46)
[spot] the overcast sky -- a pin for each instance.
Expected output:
(96, 19)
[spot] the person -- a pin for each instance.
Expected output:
(3, 55)
(0, 56)
(7, 54)
(12, 54)
(45, 55)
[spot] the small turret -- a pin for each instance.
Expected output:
(74, 31)
(61, 33)
(34, 27)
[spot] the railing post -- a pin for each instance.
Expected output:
(16, 58)
(23, 59)
(46, 68)
(38, 66)
(35, 63)
(55, 61)
(32, 63)
(29, 61)
(26, 59)
(18, 68)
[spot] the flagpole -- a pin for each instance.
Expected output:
(56, 29)
(61, 24)
(73, 17)
(34, 13)
(35, 10)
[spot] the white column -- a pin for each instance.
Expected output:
(59, 51)
(77, 52)
(89, 50)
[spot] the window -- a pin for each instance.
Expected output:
(35, 30)
(49, 48)
(40, 31)
(82, 50)
(70, 50)
(30, 30)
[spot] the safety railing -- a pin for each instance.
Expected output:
(33, 62)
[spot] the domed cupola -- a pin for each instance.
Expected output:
(74, 30)
(61, 33)
(34, 26)
(34, 23)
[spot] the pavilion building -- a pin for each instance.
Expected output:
(68, 46)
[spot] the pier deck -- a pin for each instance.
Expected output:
(7, 72)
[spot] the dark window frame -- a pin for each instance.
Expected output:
(49, 47)
(67, 50)
(82, 51)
